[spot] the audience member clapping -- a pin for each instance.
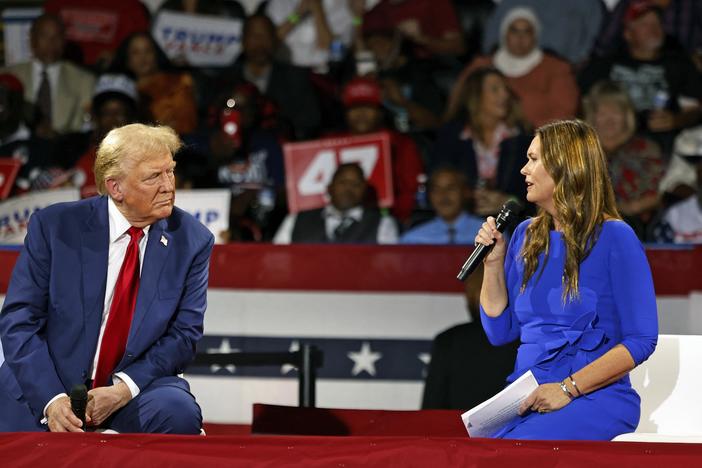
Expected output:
(314, 31)
(344, 219)
(486, 141)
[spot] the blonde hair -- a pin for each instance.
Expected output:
(131, 143)
(609, 91)
(583, 199)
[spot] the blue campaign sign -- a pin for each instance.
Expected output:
(209, 206)
(199, 40)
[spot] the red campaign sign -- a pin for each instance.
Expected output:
(90, 25)
(9, 167)
(309, 167)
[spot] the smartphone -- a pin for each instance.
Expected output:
(230, 124)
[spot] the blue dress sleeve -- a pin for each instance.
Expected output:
(634, 296)
(505, 328)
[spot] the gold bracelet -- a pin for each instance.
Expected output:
(566, 391)
(570, 377)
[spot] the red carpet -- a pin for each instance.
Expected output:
(40, 450)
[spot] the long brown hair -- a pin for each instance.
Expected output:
(583, 199)
(473, 96)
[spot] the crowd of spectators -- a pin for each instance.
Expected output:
(458, 86)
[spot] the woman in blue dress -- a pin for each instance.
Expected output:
(575, 286)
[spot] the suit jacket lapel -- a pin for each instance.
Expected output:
(95, 240)
(155, 258)
(24, 72)
(64, 100)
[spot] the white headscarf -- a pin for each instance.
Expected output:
(511, 65)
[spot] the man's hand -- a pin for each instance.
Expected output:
(61, 418)
(103, 401)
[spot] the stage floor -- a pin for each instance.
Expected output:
(126, 450)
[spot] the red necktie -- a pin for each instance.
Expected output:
(114, 340)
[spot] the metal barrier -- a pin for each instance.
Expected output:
(307, 360)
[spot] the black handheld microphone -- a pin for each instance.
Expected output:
(79, 400)
(509, 213)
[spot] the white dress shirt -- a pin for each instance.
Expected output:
(387, 229)
(119, 241)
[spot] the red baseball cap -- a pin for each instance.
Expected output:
(638, 8)
(11, 82)
(361, 91)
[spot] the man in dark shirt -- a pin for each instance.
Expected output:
(465, 368)
(663, 84)
(287, 86)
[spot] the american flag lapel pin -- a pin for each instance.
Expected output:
(164, 241)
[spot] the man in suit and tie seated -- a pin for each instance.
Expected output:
(109, 291)
(344, 220)
(60, 90)
(452, 225)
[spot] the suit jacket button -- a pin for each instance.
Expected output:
(130, 355)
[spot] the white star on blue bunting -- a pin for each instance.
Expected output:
(223, 348)
(285, 368)
(364, 360)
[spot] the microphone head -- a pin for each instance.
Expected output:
(509, 212)
(79, 392)
(513, 205)
(79, 402)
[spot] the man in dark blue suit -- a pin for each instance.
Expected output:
(55, 325)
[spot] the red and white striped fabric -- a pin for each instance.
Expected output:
(372, 309)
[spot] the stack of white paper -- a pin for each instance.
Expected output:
(489, 416)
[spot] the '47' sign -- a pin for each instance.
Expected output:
(309, 167)
(9, 167)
